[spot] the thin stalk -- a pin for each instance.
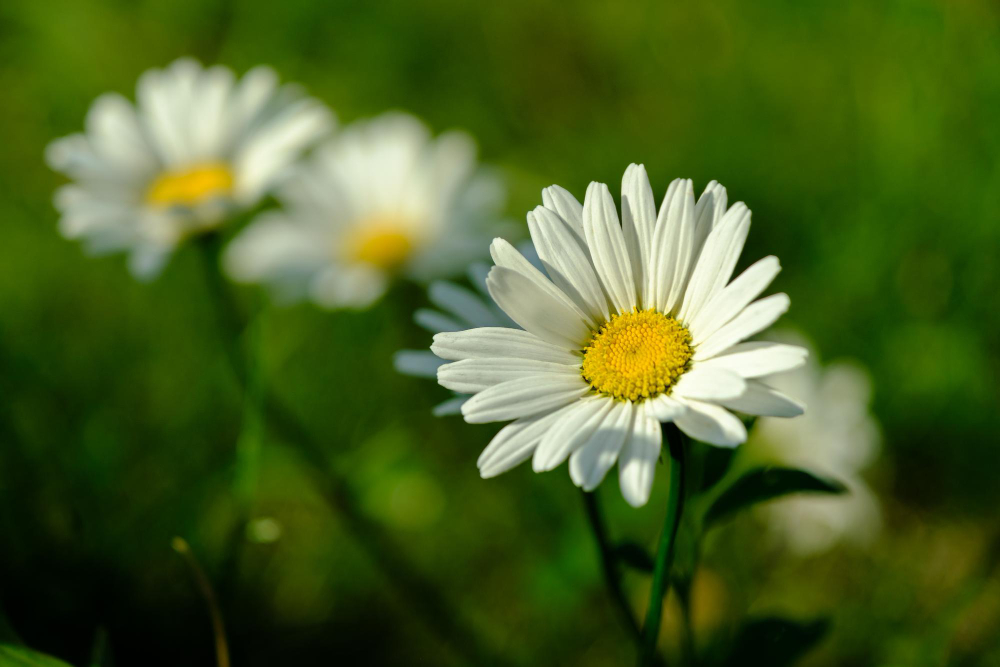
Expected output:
(205, 588)
(665, 551)
(423, 597)
(609, 562)
(247, 455)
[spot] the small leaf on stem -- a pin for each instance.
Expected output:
(776, 642)
(765, 483)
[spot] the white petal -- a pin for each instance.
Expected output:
(348, 286)
(756, 317)
(758, 358)
(523, 397)
(561, 201)
(717, 260)
(727, 304)
(712, 424)
(420, 363)
(498, 342)
(436, 322)
(469, 376)
(552, 318)
(637, 461)
(462, 303)
(638, 224)
(159, 110)
(115, 133)
(707, 214)
(146, 261)
(673, 242)
(590, 463)
(273, 248)
(567, 262)
(607, 247)
(275, 145)
(759, 399)
(453, 406)
(252, 93)
(709, 384)
(514, 443)
(570, 432)
(507, 256)
(211, 104)
(664, 408)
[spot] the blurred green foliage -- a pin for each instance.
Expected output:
(864, 136)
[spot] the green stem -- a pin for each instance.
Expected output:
(205, 588)
(665, 551)
(422, 596)
(609, 562)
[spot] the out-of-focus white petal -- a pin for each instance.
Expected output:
(419, 363)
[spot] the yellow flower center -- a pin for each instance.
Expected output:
(190, 186)
(381, 242)
(637, 355)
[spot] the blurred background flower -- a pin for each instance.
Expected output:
(837, 437)
(865, 137)
(197, 147)
(381, 199)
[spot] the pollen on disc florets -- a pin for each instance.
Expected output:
(637, 355)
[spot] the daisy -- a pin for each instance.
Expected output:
(631, 324)
(197, 147)
(838, 437)
(382, 199)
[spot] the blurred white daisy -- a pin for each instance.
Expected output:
(198, 146)
(635, 324)
(383, 198)
(838, 437)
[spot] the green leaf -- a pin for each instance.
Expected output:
(18, 656)
(776, 642)
(765, 483)
(635, 556)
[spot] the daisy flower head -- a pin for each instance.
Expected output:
(198, 146)
(838, 437)
(381, 199)
(630, 324)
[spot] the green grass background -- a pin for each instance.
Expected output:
(864, 136)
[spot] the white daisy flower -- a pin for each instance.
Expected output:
(381, 199)
(198, 146)
(838, 437)
(635, 324)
